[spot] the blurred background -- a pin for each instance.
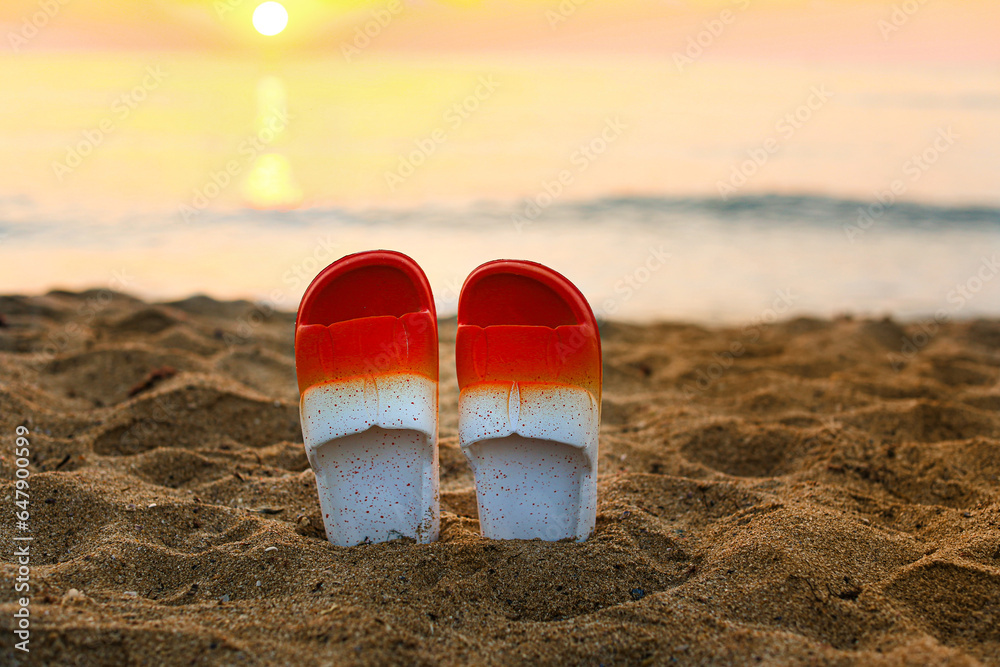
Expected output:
(701, 160)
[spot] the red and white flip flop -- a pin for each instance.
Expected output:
(528, 356)
(366, 356)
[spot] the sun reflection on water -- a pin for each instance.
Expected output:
(270, 184)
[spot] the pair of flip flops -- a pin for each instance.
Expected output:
(528, 356)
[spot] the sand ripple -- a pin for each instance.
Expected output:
(801, 501)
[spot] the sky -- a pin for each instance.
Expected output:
(812, 30)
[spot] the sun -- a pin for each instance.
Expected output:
(270, 18)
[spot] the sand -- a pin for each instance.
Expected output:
(828, 494)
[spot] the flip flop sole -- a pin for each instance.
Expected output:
(369, 398)
(528, 360)
(532, 448)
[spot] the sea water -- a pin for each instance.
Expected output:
(719, 194)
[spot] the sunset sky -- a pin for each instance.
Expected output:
(822, 30)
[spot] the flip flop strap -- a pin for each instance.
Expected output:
(366, 347)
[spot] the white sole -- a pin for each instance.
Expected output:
(533, 452)
(372, 443)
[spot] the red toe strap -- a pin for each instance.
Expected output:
(366, 346)
(568, 354)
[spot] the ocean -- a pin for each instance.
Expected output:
(640, 259)
(719, 193)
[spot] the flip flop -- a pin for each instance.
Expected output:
(528, 356)
(366, 356)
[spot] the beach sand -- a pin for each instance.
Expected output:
(798, 501)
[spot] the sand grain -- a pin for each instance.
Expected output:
(804, 504)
